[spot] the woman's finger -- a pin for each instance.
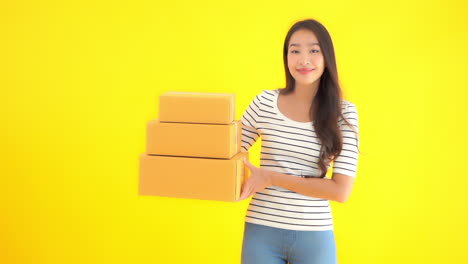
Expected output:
(248, 164)
(249, 192)
(245, 192)
(242, 197)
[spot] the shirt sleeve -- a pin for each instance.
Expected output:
(249, 120)
(346, 162)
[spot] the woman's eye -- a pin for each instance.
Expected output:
(315, 51)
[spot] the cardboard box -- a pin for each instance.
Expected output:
(193, 140)
(193, 178)
(196, 107)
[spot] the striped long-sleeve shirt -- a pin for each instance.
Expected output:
(292, 148)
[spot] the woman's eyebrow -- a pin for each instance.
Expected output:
(298, 45)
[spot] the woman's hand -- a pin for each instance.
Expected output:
(259, 179)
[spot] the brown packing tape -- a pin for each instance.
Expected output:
(242, 171)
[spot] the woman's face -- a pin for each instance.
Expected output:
(304, 52)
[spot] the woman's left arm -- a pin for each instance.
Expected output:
(337, 189)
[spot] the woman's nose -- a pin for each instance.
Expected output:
(305, 61)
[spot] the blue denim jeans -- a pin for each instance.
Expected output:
(270, 245)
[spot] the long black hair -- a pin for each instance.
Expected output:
(326, 106)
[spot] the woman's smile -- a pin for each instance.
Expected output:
(305, 71)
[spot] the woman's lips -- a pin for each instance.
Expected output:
(305, 71)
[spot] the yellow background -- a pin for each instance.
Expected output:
(79, 81)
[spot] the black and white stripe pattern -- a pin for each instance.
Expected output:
(292, 148)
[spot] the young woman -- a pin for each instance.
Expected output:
(304, 127)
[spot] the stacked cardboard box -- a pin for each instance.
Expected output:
(193, 149)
